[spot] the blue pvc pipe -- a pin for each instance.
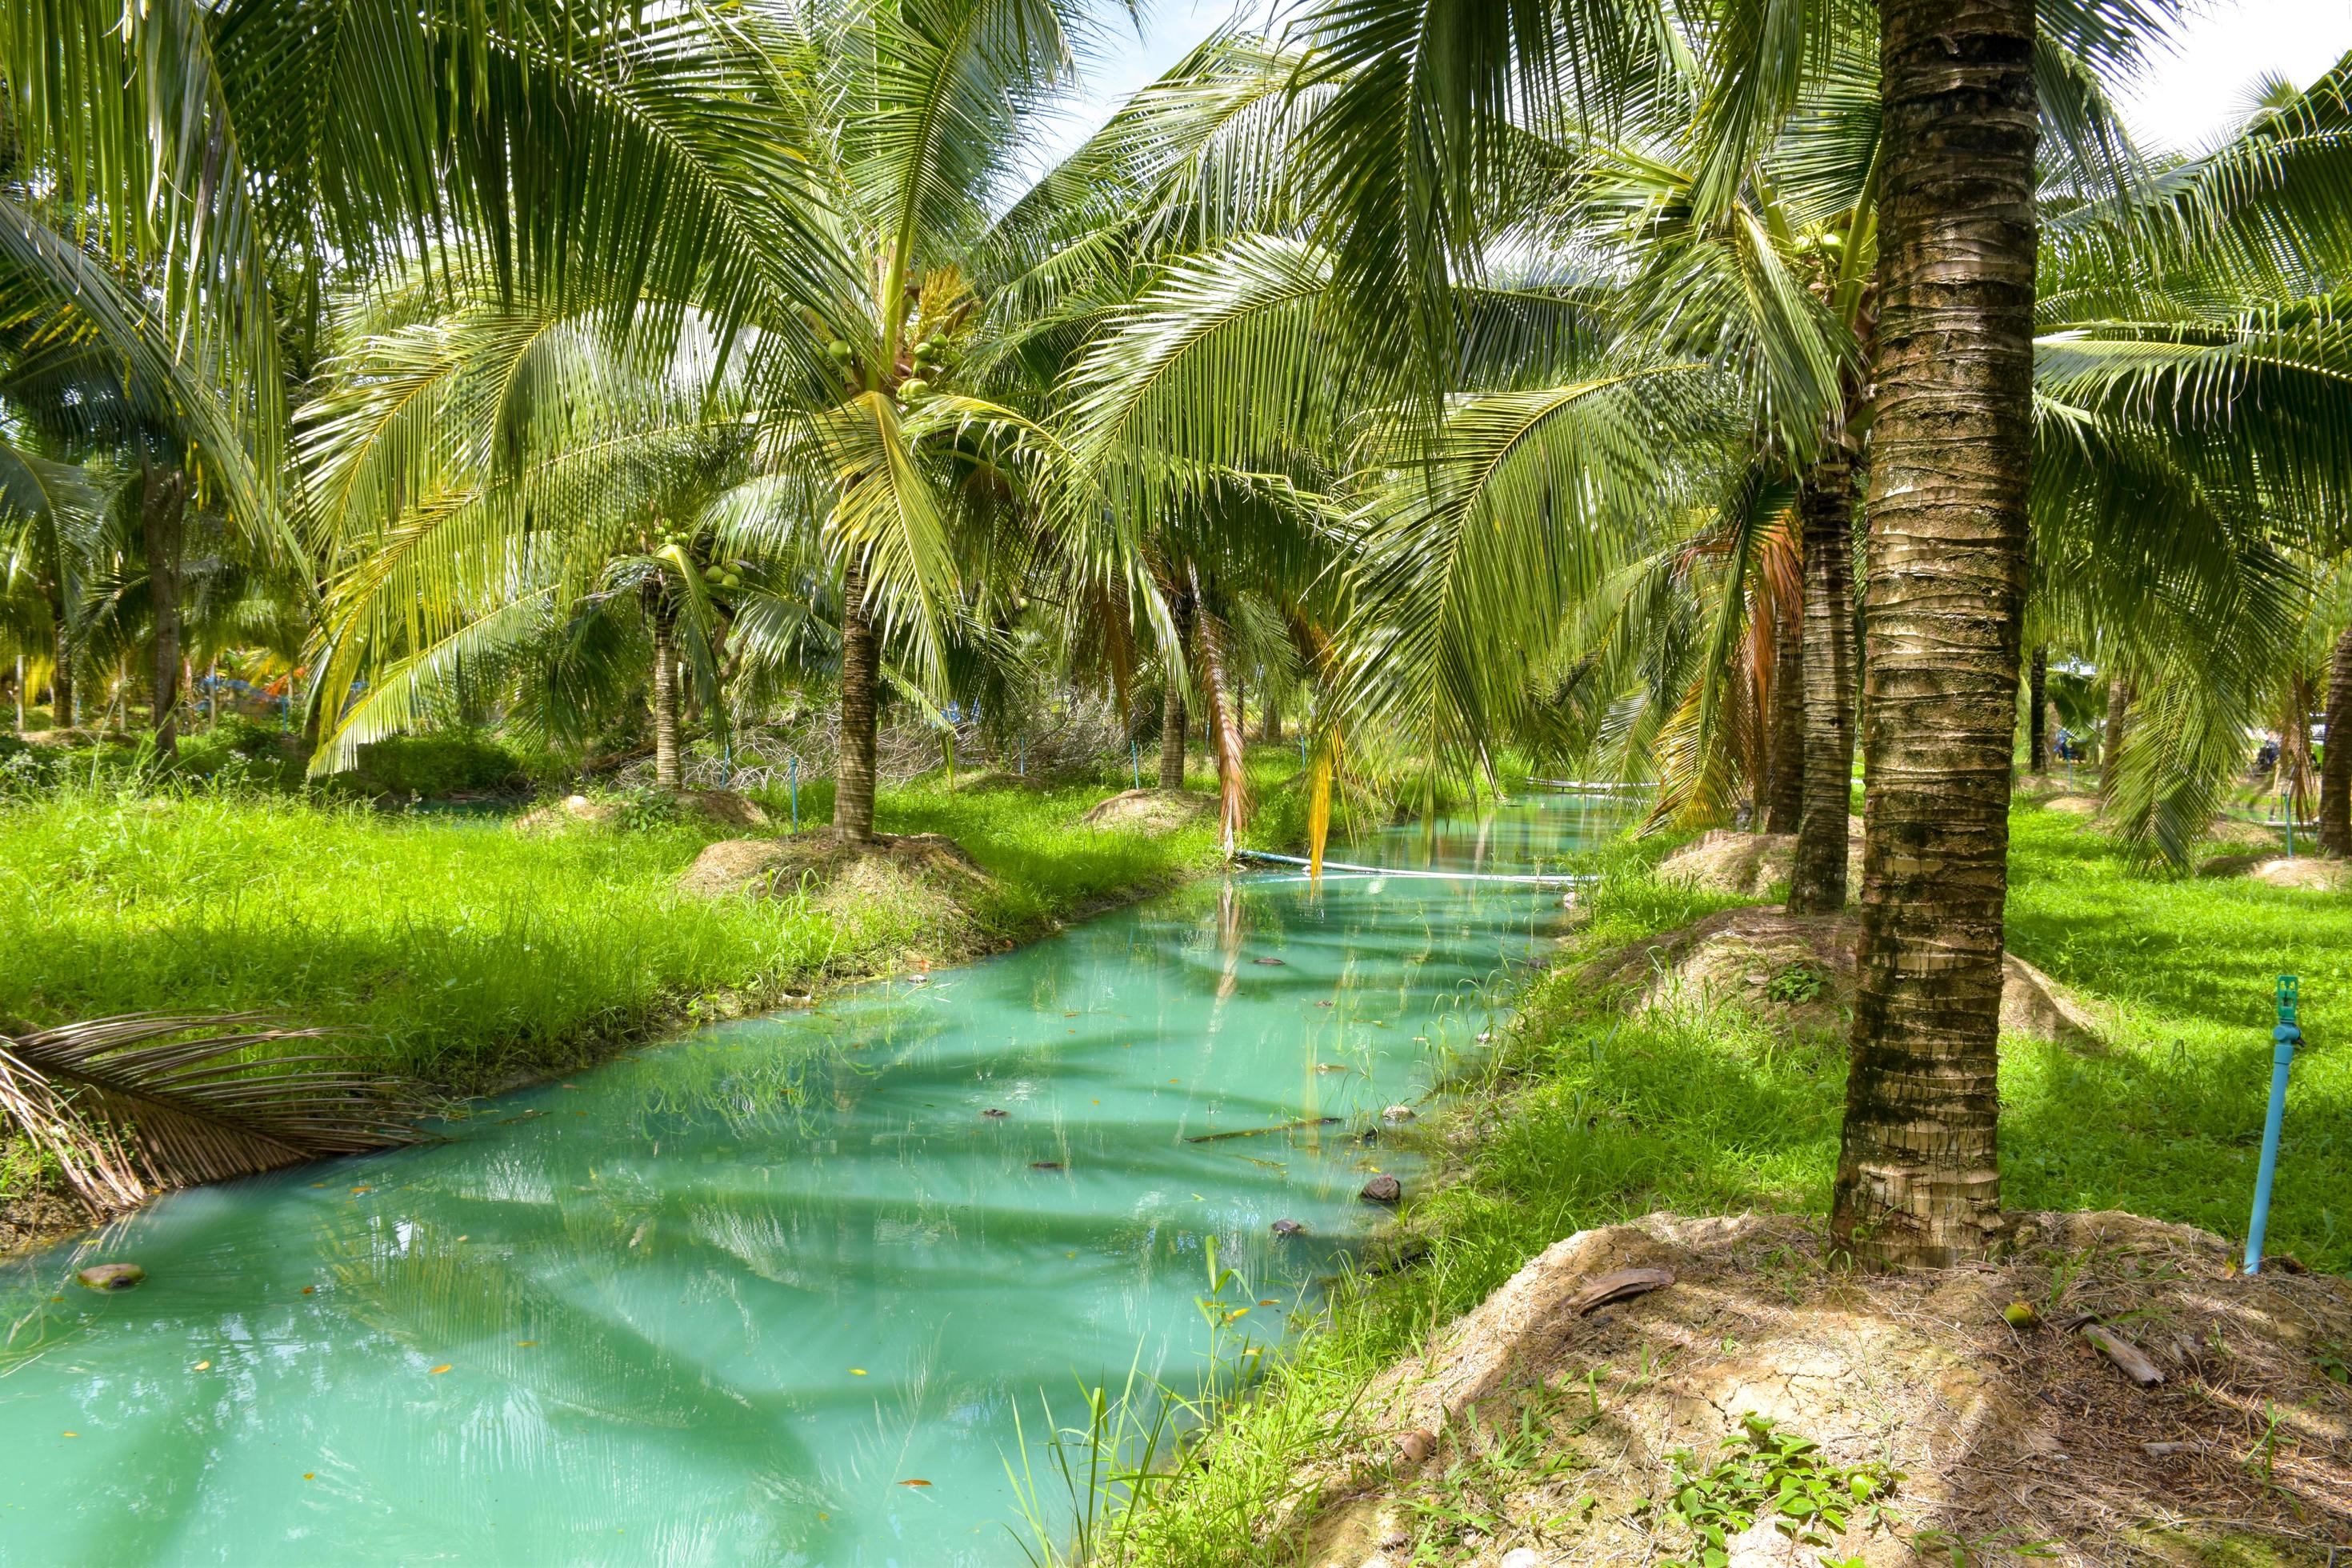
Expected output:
(2284, 1039)
(796, 793)
(1134, 761)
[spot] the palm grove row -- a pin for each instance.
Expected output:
(1655, 387)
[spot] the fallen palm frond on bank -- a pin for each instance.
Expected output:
(130, 1105)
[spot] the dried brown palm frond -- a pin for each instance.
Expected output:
(135, 1104)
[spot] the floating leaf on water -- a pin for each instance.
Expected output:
(202, 1366)
(857, 1372)
(439, 1370)
(73, 1433)
(917, 1482)
(525, 1344)
(306, 1290)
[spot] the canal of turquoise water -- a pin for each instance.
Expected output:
(771, 1293)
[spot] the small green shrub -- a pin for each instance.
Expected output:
(1797, 985)
(444, 762)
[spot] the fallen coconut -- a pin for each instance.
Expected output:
(1397, 1113)
(1288, 1228)
(1382, 1190)
(110, 1276)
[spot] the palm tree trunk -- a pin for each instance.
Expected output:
(2295, 747)
(861, 661)
(1785, 739)
(61, 682)
(1269, 719)
(667, 774)
(162, 512)
(2037, 717)
(2111, 743)
(1918, 1179)
(1172, 735)
(2335, 760)
(1171, 703)
(1225, 734)
(1817, 879)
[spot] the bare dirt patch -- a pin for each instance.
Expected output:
(1539, 1426)
(1750, 865)
(1149, 810)
(1799, 970)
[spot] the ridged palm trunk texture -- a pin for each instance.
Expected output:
(1918, 1179)
(667, 772)
(163, 514)
(1784, 798)
(861, 662)
(1825, 507)
(2335, 760)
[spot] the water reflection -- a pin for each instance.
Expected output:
(728, 1300)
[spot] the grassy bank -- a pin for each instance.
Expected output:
(1590, 1114)
(457, 952)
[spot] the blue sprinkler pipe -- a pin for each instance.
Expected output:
(796, 793)
(1135, 759)
(2281, 1057)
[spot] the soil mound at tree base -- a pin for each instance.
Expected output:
(2304, 871)
(1750, 865)
(721, 807)
(2238, 834)
(1799, 970)
(2000, 1434)
(924, 873)
(1149, 810)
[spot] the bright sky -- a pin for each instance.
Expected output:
(2197, 93)
(2192, 95)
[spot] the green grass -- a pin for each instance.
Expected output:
(1590, 1115)
(455, 951)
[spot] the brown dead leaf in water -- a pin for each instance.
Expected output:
(919, 1482)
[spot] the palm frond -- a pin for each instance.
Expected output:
(134, 1103)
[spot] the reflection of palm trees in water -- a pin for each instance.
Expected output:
(555, 1395)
